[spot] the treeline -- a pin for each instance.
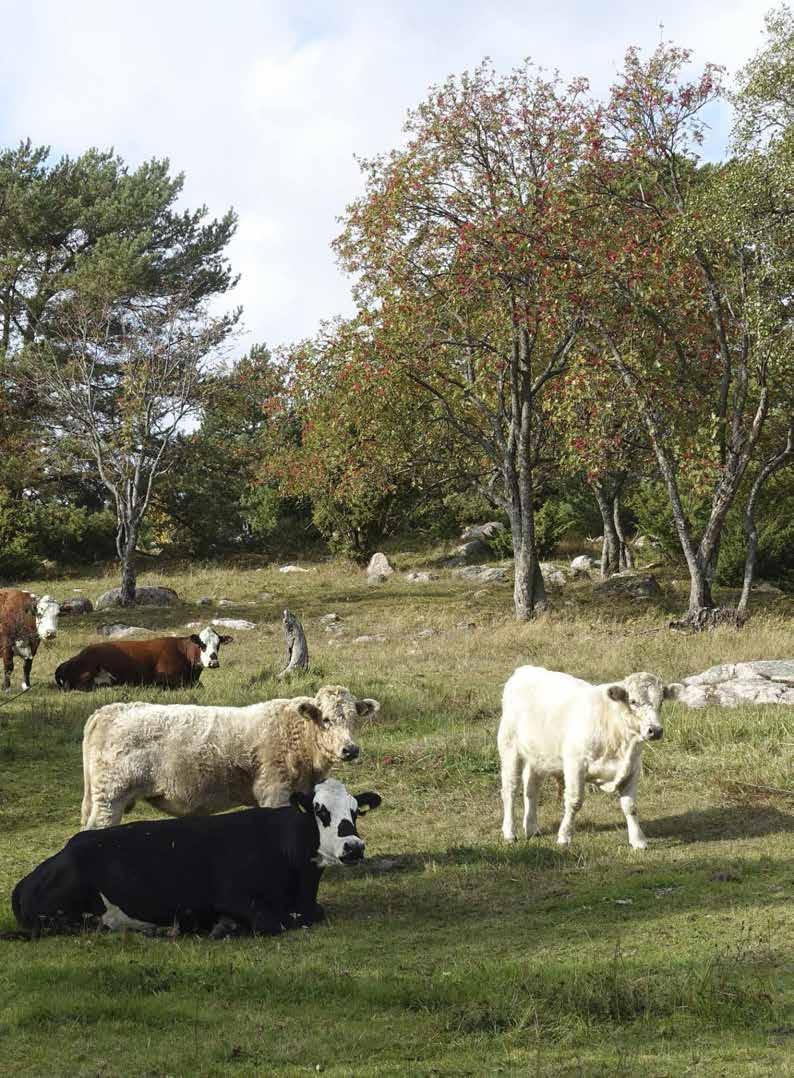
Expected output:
(565, 315)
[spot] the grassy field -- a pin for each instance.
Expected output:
(448, 952)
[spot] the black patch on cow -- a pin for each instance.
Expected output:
(346, 828)
(323, 815)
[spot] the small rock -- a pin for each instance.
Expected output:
(234, 623)
(554, 578)
(77, 606)
(379, 569)
(205, 600)
(370, 640)
(482, 531)
(119, 631)
(426, 632)
(329, 619)
(765, 588)
(583, 562)
(418, 578)
(293, 569)
(265, 596)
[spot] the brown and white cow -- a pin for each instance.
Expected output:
(25, 621)
(169, 662)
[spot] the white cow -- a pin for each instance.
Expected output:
(188, 760)
(555, 724)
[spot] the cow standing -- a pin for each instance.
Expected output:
(168, 662)
(555, 724)
(256, 870)
(25, 621)
(187, 760)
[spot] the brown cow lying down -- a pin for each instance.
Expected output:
(170, 662)
(25, 621)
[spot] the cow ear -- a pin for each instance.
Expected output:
(310, 711)
(367, 707)
(673, 691)
(618, 692)
(368, 800)
(304, 802)
(197, 640)
(225, 639)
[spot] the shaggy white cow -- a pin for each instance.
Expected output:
(555, 724)
(187, 760)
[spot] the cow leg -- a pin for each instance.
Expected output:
(531, 781)
(305, 905)
(117, 920)
(510, 768)
(27, 666)
(629, 806)
(106, 812)
(574, 773)
(8, 668)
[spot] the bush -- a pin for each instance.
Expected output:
(553, 521)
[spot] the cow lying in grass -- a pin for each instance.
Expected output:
(188, 760)
(555, 724)
(252, 871)
(25, 621)
(169, 662)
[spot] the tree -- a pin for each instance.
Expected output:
(687, 312)
(466, 246)
(119, 383)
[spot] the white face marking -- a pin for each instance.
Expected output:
(209, 653)
(47, 611)
(336, 810)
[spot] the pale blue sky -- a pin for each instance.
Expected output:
(263, 105)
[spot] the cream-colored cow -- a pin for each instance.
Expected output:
(555, 724)
(188, 760)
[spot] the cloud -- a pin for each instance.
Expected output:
(264, 105)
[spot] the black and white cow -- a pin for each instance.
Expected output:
(253, 871)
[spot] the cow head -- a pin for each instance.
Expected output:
(336, 812)
(334, 711)
(209, 641)
(47, 611)
(643, 695)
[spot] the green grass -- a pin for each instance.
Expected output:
(448, 952)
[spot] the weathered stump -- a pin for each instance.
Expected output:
(297, 648)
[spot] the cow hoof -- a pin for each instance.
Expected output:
(564, 840)
(509, 838)
(643, 845)
(25, 688)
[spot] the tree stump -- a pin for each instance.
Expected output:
(297, 648)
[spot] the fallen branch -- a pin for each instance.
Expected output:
(297, 648)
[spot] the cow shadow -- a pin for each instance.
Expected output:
(724, 823)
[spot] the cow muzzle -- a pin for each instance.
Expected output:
(653, 733)
(350, 752)
(213, 664)
(50, 634)
(352, 852)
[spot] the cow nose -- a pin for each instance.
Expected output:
(655, 734)
(350, 752)
(352, 851)
(214, 663)
(49, 635)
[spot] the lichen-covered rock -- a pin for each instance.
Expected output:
(638, 587)
(234, 623)
(471, 551)
(482, 531)
(764, 681)
(119, 631)
(379, 570)
(147, 596)
(553, 577)
(418, 578)
(293, 569)
(484, 574)
(80, 605)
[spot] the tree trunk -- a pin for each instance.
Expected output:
(297, 648)
(529, 589)
(610, 552)
(625, 556)
(126, 538)
(772, 465)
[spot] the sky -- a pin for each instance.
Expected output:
(265, 105)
